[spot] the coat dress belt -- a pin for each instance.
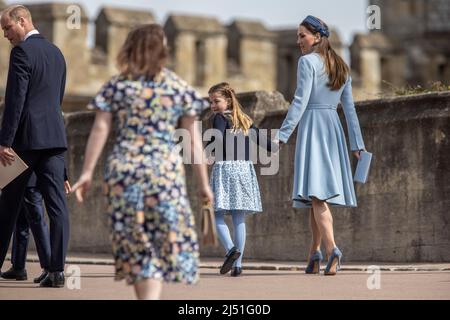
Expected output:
(312, 106)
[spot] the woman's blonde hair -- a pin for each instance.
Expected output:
(239, 119)
(336, 67)
(144, 52)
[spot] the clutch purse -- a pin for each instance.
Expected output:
(363, 166)
(209, 233)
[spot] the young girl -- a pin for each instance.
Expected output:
(233, 177)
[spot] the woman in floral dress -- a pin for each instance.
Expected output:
(152, 226)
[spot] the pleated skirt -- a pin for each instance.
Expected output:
(235, 186)
(322, 165)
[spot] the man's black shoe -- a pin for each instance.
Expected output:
(41, 277)
(12, 274)
(53, 280)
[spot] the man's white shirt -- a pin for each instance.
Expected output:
(29, 34)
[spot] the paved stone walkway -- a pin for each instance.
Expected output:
(260, 280)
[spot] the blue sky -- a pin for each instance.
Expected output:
(347, 16)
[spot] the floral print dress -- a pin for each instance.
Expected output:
(152, 225)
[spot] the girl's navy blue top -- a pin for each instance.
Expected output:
(238, 142)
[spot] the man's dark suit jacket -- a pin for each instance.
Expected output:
(32, 119)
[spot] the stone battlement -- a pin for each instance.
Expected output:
(203, 51)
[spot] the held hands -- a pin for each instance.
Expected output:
(278, 144)
(6, 156)
(82, 186)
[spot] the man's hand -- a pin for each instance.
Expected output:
(6, 156)
(67, 187)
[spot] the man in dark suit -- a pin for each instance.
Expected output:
(31, 217)
(33, 127)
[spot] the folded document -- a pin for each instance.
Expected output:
(9, 173)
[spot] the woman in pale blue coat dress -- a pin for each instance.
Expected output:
(322, 174)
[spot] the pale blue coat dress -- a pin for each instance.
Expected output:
(322, 164)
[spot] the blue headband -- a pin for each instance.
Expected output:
(317, 25)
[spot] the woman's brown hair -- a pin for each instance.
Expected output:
(239, 119)
(336, 67)
(144, 52)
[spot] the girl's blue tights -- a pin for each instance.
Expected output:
(238, 217)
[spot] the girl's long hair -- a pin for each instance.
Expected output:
(336, 67)
(239, 119)
(144, 52)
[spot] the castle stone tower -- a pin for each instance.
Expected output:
(253, 48)
(411, 48)
(111, 29)
(198, 48)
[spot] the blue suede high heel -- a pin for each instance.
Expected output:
(334, 262)
(313, 266)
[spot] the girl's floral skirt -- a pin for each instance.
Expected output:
(235, 186)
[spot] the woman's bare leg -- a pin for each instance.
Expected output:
(324, 221)
(148, 289)
(316, 237)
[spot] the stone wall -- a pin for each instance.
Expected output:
(411, 48)
(403, 209)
